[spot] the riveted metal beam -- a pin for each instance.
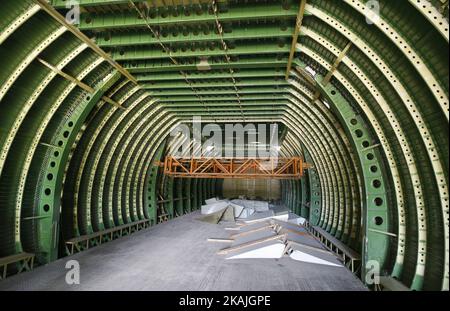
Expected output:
(54, 174)
(127, 20)
(141, 38)
(432, 13)
(334, 67)
(411, 105)
(15, 24)
(84, 86)
(394, 83)
(60, 19)
(298, 25)
(210, 75)
(142, 53)
(246, 63)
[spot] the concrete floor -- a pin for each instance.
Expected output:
(176, 256)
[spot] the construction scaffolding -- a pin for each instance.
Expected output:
(244, 168)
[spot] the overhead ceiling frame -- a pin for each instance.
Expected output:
(227, 57)
(60, 19)
(144, 17)
(81, 84)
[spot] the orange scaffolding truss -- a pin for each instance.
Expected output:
(244, 168)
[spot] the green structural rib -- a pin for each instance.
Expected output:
(86, 112)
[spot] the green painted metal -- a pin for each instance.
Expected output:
(298, 198)
(394, 84)
(144, 38)
(187, 193)
(210, 75)
(129, 20)
(204, 190)
(243, 63)
(221, 91)
(376, 203)
(149, 54)
(63, 3)
(255, 82)
(51, 186)
(178, 197)
(151, 193)
(315, 194)
(199, 193)
(219, 100)
(194, 197)
(168, 196)
(219, 188)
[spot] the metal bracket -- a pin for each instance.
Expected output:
(81, 84)
(333, 68)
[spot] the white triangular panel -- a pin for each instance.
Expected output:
(271, 251)
(300, 256)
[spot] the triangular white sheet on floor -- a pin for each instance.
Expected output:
(297, 220)
(274, 250)
(246, 212)
(259, 206)
(301, 256)
(237, 209)
(263, 216)
(211, 201)
(214, 207)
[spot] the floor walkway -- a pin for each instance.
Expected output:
(176, 256)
